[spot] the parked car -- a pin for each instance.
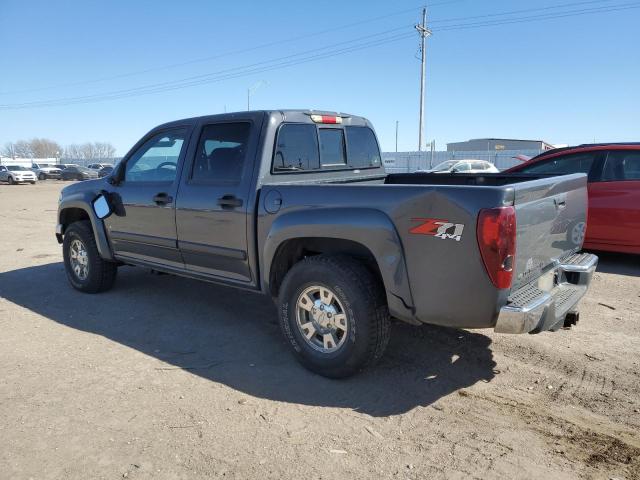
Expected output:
(462, 166)
(296, 204)
(104, 171)
(46, 170)
(78, 173)
(98, 166)
(13, 174)
(613, 171)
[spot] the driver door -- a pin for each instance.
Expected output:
(143, 226)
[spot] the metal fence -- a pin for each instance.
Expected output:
(406, 162)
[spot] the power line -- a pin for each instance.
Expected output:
(204, 78)
(306, 36)
(541, 17)
(291, 60)
(164, 88)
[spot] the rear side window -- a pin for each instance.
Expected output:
(297, 148)
(362, 147)
(221, 152)
(332, 152)
(575, 163)
(622, 165)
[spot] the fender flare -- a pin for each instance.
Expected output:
(368, 227)
(83, 202)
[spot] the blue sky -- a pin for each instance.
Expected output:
(565, 80)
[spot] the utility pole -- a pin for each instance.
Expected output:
(424, 32)
(397, 136)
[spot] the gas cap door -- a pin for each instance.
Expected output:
(272, 201)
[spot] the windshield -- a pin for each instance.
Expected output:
(448, 165)
(16, 168)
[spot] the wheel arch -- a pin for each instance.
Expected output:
(72, 211)
(365, 234)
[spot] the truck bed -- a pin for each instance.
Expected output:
(439, 280)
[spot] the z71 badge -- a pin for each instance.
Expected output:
(436, 227)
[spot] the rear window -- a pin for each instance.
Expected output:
(306, 147)
(332, 152)
(362, 147)
(296, 148)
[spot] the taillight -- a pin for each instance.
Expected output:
(326, 119)
(497, 241)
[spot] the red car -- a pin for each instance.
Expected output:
(614, 191)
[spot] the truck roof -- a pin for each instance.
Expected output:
(291, 115)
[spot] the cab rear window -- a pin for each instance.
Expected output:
(310, 148)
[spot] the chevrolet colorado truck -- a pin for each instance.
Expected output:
(296, 204)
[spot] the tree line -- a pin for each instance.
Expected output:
(45, 148)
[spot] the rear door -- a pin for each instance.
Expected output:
(143, 227)
(614, 201)
(213, 201)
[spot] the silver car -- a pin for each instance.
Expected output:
(13, 174)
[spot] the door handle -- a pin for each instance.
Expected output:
(229, 201)
(162, 198)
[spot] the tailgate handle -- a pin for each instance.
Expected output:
(560, 203)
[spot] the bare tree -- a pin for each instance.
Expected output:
(90, 151)
(45, 148)
(9, 150)
(23, 149)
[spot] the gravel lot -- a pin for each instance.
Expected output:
(164, 377)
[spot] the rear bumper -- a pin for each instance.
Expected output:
(531, 309)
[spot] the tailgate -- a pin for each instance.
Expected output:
(551, 216)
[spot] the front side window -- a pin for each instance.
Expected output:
(221, 152)
(157, 159)
(332, 147)
(296, 149)
(622, 165)
(362, 147)
(462, 167)
(576, 163)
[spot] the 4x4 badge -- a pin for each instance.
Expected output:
(436, 227)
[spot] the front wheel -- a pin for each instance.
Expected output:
(42, 176)
(334, 315)
(11, 181)
(85, 269)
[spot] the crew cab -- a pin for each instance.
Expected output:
(46, 170)
(296, 204)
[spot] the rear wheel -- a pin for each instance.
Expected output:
(85, 269)
(334, 315)
(11, 180)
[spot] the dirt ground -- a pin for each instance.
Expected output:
(164, 377)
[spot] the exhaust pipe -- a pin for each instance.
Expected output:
(571, 319)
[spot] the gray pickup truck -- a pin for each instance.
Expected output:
(296, 204)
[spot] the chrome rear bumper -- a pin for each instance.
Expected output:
(532, 310)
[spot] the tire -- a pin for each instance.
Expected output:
(357, 297)
(42, 176)
(100, 274)
(11, 180)
(33, 182)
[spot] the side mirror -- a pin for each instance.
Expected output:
(101, 207)
(454, 170)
